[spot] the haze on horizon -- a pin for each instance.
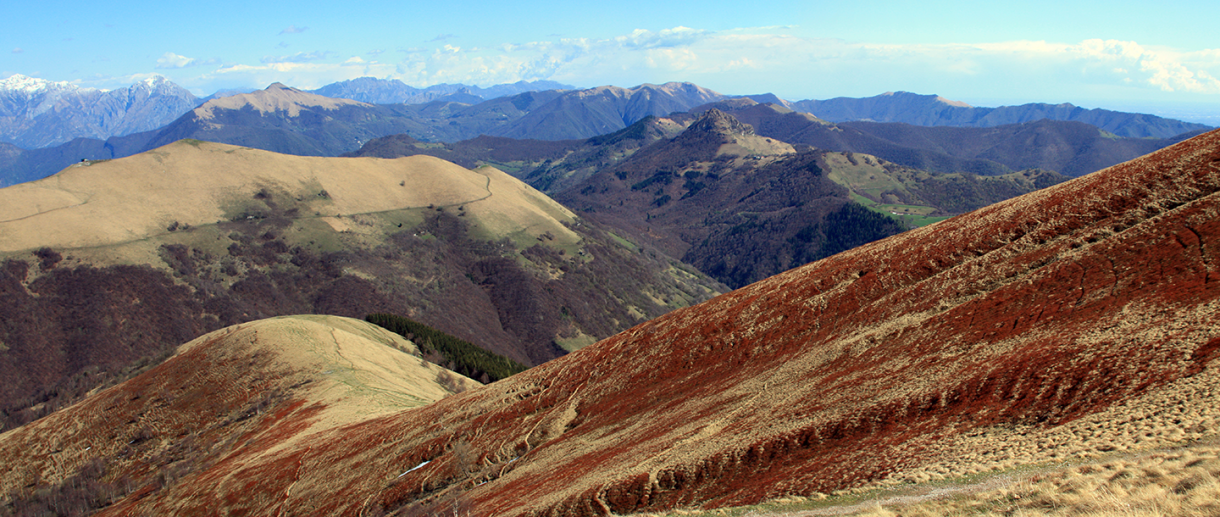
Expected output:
(1121, 55)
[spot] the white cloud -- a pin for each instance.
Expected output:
(18, 50)
(299, 57)
(675, 37)
(293, 29)
(1125, 62)
(306, 76)
(775, 59)
(172, 60)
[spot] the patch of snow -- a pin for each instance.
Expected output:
(32, 86)
(417, 467)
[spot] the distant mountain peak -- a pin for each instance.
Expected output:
(934, 98)
(735, 138)
(154, 80)
(32, 85)
(740, 103)
(956, 104)
(718, 121)
(276, 97)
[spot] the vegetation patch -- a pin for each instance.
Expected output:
(458, 355)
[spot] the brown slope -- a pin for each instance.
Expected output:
(1078, 319)
(239, 392)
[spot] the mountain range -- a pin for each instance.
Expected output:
(92, 124)
(392, 91)
(288, 120)
(1068, 324)
(36, 113)
(933, 110)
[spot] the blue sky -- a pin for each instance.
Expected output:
(1136, 56)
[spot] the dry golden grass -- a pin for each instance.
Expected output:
(348, 370)
(755, 145)
(120, 211)
(1181, 481)
(1178, 482)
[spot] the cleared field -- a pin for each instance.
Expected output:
(913, 216)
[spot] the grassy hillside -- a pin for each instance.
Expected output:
(919, 198)
(121, 203)
(109, 264)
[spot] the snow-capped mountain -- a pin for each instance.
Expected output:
(36, 113)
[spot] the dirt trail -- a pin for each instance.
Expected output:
(917, 494)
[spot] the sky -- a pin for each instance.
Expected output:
(1151, 57)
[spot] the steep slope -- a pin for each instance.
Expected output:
(1072, 321)
(110, 263)
(238, 393)
(933, 110)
